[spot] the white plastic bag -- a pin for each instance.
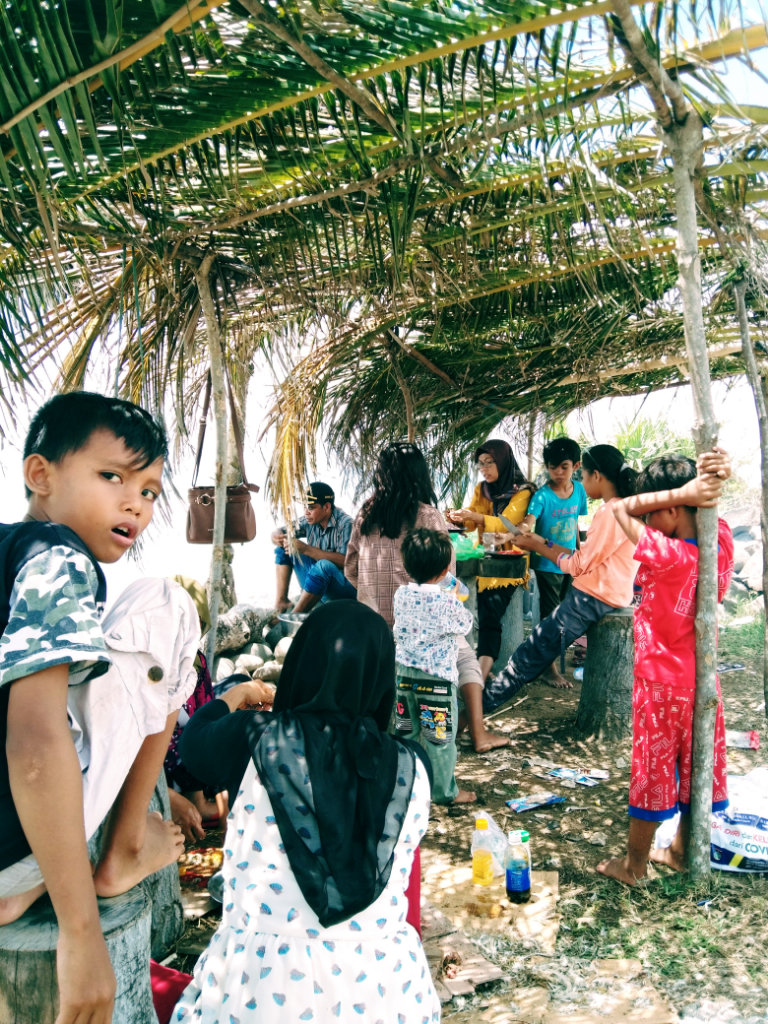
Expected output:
(739, 836)
(494, 839)
(740, 833)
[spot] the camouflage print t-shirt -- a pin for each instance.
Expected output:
(54, 619)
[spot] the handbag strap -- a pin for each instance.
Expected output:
(235, 430)
(201, 431)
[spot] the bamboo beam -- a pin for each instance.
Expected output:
(645, 367)
(216, 357)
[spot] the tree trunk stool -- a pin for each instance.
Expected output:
(29, 992)
(502, 567)
(162, 888)
(605, 705)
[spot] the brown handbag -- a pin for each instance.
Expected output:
(241, 519)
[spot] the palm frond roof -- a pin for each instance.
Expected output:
(467, 200)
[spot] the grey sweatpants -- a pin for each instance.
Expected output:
(570, 620)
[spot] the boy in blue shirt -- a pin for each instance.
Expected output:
(554, 510)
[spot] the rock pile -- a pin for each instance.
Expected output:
(248, 643)
(747, 581)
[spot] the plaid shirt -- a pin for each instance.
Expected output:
(374, 564)
(335, 537)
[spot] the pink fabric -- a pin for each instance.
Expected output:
(603, 566)
(167, 986)
(413, 892)
(662, 740)
(665, 644)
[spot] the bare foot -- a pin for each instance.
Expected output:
(489, 741)
(12, 907)
(121, 869)
(208, 808)
(556, 681)
(465, 797)
(669, 857)
(620, 870)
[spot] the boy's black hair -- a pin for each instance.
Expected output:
(665, 474)
(426, 553)
(66, 423)
(559, 449)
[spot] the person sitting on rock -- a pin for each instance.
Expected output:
(320, 545)
(603, 571)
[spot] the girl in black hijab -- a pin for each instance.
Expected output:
(502, 491)
(328, 814)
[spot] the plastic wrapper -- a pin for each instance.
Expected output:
(494, 839)
(744, 740)
(197, 865)
(528, 803)
(573, 775)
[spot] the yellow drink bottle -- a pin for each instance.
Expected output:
(482, 859)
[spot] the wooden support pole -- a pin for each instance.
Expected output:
(685, 143)
(757, 385)
(216, 356)
(681, 129)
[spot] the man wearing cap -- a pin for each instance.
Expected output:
(320, 544)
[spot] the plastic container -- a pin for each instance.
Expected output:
(449, 581)
(489, 543)
(517, 867)
(482, 854)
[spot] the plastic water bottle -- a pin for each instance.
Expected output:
(449, 581)
(517, 867)
(482, 858)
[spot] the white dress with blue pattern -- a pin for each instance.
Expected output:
(272, 962)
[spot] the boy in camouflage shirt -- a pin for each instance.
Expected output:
(87, 707)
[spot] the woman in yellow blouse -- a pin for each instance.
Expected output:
(502, 491)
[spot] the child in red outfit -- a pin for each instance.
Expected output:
(669, 492)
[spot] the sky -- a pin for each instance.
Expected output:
(165, 551)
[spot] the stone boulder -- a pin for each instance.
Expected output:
(735, 595)
(240, 625)
(751, 573)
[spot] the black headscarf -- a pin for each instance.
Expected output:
(339, 785)
(510, 479)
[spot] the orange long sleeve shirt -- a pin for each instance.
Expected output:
(603, 566)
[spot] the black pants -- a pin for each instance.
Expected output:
(491, 605)
(553, 586)
(572, 617)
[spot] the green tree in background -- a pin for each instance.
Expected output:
(644, 440)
